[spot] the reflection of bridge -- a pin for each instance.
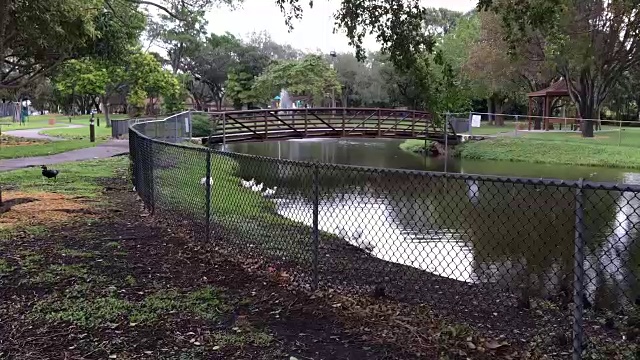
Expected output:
(277, 124)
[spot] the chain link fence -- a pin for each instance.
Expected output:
(515, 258)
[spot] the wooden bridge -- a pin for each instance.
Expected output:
(282, 124)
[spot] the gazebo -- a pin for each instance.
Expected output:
(556, 90)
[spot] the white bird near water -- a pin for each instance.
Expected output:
(203, 181)
(257, 188)
(270, 192)
(246, 183)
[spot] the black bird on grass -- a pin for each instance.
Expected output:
(49, 173)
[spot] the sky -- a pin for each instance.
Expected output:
(313, 32)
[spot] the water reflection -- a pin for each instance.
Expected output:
(510, 234)
(609, 266)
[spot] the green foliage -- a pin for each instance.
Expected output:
(81, 77)
(201, 126)
(146, 77)
(362, 83)
(139, 74)
(252, 61)
(239, 88)
(40, 35)
(311, 76)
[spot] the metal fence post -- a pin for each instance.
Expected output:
(149, 177)
(446, 141)
(315, 231)
(175, 126)
(190, 125)
(208, 195)
(578, 275)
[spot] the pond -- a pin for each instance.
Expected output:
(474, 231)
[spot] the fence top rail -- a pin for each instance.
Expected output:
(587, 185)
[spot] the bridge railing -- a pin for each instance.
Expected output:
(258, 125)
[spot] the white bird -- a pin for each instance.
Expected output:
(257, 188)
(203, 181)
(270, 192)
(246, 183)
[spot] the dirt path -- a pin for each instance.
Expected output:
(108, 149)
(35, 133)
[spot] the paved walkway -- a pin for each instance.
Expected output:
(104, 150)
(34, 133)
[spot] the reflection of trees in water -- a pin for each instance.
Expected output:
(519, 234)
(613, 264)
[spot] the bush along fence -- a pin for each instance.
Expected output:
(516, 258)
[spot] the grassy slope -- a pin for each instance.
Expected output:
(233, 207)
(610, 148)
(536, 150)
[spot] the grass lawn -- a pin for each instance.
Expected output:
(611, 136)
(76, 178)
(608, 148)
(30, 148)
(588, 152)
(102, 133)
(486, 129)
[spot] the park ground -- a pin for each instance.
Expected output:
(611, 147)
(12, 147)
(87, 273)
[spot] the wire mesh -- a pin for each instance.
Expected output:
(490, 246)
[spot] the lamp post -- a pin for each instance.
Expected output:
(333, 55)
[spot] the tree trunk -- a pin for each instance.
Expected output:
(107, 117)
(490, 108)
(499, 119)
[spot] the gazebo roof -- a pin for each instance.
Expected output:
(558, 88)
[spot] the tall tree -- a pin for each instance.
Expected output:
(265, 44)
(179, 36)
(592, 43)
(310, 76)
(252, 61)
(211, 63)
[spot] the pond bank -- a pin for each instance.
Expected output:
(541, 151)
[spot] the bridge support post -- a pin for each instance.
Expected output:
(224, 132)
